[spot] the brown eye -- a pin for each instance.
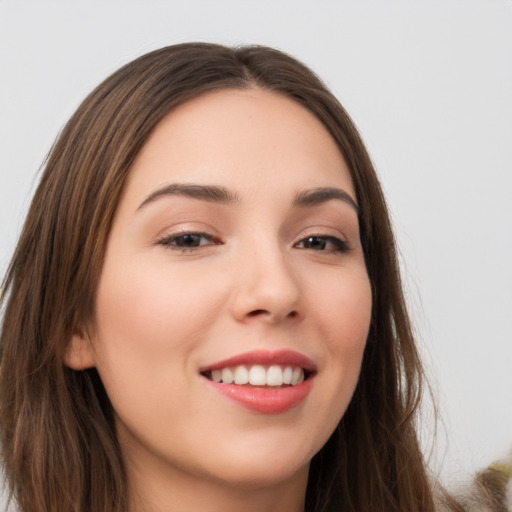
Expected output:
(323, 243)
(187, 241)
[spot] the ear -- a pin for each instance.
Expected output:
(79, 353)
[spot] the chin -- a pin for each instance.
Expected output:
(254, 476)
(267, 465)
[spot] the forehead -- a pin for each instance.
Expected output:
(243, 139)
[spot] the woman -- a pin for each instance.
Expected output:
(204, 310)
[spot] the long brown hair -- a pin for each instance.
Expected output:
(59, 448)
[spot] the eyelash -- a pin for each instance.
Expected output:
(172, 242)
(338, 245)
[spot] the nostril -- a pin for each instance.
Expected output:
(257, 312)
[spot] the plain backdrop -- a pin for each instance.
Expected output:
(429, 83)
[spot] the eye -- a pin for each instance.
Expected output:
(322, 243)
(187, 241)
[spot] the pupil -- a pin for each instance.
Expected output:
(190, 240)
(316, 243)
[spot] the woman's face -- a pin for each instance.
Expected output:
(234, 254)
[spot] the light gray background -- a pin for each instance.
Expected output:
(429, 84)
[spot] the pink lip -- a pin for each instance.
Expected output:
(265, 358)
(264, 400)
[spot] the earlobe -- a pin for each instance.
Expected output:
(79, 353)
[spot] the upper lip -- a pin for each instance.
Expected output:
(265, 358)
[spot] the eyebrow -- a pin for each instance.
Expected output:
(209, 193)
(317, 196)
(221, 195)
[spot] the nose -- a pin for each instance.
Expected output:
(267, 289)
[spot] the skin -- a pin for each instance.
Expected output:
(256, 281)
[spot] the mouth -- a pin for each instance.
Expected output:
(274, 376)
(263, 382)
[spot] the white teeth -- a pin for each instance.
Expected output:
(274, 376)
(258, 375)
(241, 375)
(227, 376)
(297, 373)
(217, 375)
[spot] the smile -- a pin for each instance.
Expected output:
(258, 375)
(262, 381)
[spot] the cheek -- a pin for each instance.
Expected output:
(149, 323)
(345, 315)
(345, 306)
(148, 327)
(339, 313)
(152, 305)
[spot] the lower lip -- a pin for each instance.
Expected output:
(264, 400)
